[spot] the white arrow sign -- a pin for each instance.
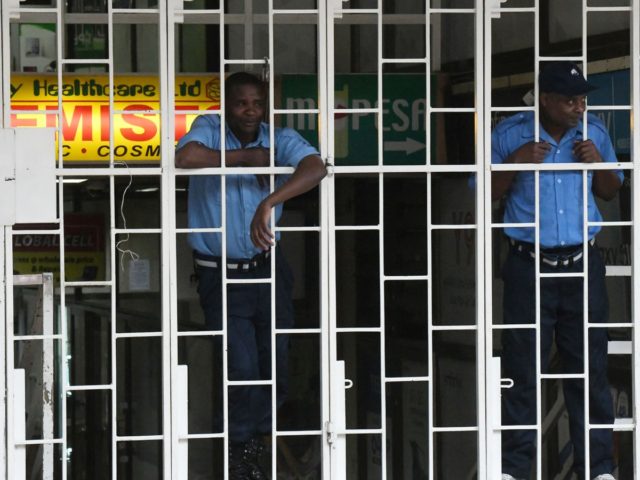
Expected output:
(409, 146)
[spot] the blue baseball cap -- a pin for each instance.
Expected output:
(565, 78)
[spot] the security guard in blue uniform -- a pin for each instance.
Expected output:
(564, 138)
(249, 243)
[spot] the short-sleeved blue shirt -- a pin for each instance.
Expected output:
(560, 192)
(243, 192)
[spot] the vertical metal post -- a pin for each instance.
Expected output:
(635, 231)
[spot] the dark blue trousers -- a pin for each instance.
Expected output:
(561, 316)
(249, 341)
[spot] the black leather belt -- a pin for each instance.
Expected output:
(244, 265)
(554, 257)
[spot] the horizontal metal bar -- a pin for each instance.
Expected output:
(120, 231)
(248, 281)
(201, 333)
(245, 383)
(298, 229)
(361, 431)
(290, 111)
(134, 11)
(620, 347)
(618, 270)
(402, 61)
(574, 58)
(108, 170)
(468, 226)
(139, 438)
(84, 388)
(512, 225)
(299, 433)
(562, 275)
(28, 338)
(37, 232)
(30, 280)
(243, 61)
(44, 441)
(546, 167)
(298, 331)
(454, 328)
(561, 376)
(517, 427)
(357, 110)
(426, 168)
(513, 109)
(138, 335)
(454, 429)
(85, 61)
(608, 9)
(358, 329)
(341, 228)
(610, 224)
(96, 283)
(452, 10)
(608, 107)
(406, 379)
(452, 109)
(300, 11)
(410, 278)
(201, 436)
(515, 326)
(199, 230)
(514, 10)
(234, 171)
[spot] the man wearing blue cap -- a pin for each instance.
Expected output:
(564, 138)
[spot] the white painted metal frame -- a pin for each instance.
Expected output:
(585, 169)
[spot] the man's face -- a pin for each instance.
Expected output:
(245, 107)
(561, 111)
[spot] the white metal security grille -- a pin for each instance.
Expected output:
(341, 433)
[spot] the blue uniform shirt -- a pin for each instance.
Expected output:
(243, 192)
(560, 192)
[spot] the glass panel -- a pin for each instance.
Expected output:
(408, 430)
(300, 406)
(40, 359)
(135, 4)
(356, 198)
(453, 138)
(246, 38)
(299, 91)
(140, 460)
(356, 66)
(33, 312)
(89, 434)
(453, 60)
(294, 4)
(86, 220)
(355, 136)
(404, 113)
(86, 6)
(364, 458)
(89, 343)
(139, 276)
(455, 386)
(139, 386)
(197, 60)
(454, 277)
(299, 456)
(302, 256)
(357, 279)
(457, 3)
(457, 452)
(206, 458)
(401, 37)
(295, 53)
(137, 201)
(512, 59)
(203, 357)
(405, 224)
(561, 28)
(361, 354)
(608, 3)
(44, 461)
(86, 41)
(406, 329)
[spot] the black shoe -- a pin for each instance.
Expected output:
(243, 460)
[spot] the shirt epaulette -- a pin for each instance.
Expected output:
(594, 122)
(512, 121)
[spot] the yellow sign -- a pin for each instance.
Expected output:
(86, 124)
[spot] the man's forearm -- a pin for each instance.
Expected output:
(501, 183)
(197, 155)
(606, 184)
(307, 175)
